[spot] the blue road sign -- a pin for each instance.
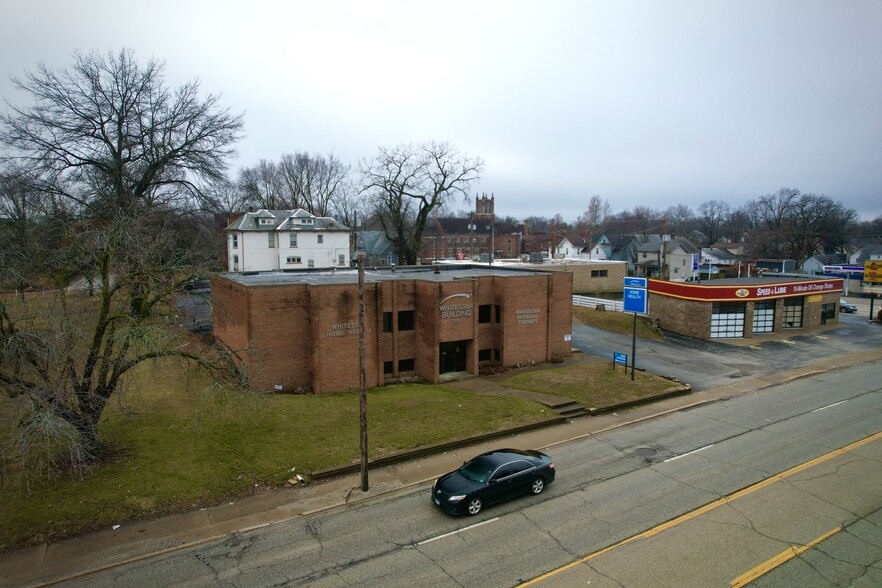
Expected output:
(635, 282)
(620, 358)
(635, 300)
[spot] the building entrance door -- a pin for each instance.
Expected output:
(453, 357)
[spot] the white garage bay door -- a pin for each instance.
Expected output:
(727, 320)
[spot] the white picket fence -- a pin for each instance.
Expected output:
(617, 305)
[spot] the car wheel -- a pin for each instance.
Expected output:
(474, 507)
(538, 486)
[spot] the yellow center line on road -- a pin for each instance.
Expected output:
(772, 563)
(710, 506)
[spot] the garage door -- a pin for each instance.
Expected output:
(764, 316)
(727, 320)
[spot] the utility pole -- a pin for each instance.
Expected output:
(664, 273)
(362, 393)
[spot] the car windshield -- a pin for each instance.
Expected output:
(477, 470)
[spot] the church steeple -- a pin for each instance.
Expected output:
(484, 207)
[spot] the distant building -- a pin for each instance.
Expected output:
(268, 240)
(476, 238)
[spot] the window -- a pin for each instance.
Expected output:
(405, 320)
(341, 260)
(406, 365)
(484, 313)
(387, 367)
(293, 239)
(235, 263)
(520, 466)
(387, 322)
(310, 263)
(293, 259)
(234, 241)
(498, 313)
(271, 240)
(264, 222)
(485, 354)
(599, 273)
(321, 239)
(306, 221)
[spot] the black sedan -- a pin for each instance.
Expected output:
(492, 477)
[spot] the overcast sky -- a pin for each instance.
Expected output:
(643, 103)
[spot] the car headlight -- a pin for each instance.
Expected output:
(456, 498)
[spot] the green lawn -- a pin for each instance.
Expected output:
(179, 444)
(617, 322)
(594, 383)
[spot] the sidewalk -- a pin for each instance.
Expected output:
(52, 563)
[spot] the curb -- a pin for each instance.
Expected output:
(680, 391)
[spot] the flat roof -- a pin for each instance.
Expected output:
(757, 280)
(447, 273)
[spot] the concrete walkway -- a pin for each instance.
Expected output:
(135, 540)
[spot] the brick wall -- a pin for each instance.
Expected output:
(298, 334)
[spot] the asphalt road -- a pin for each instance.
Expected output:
(712, 363)
(610, 487)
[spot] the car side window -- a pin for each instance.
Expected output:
(520, 466)
(502, 472)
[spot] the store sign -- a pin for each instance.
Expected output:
(527, 316)
(709, 292)
(452, 307)
(873, 271)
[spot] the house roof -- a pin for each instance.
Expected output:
(285, 220)
(869, 251)
(720, 254)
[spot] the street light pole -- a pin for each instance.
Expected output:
(362, 393)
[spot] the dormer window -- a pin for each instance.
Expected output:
(263, 222)
(306, 221)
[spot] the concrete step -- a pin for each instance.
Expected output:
(570, 410)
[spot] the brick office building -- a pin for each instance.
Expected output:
(743, 307)
(301, 330)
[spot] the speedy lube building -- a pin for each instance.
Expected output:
(744, 307)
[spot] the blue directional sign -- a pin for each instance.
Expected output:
(620, 358)
(635, 300)
(635, 282)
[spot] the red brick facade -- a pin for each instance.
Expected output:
(294, 332)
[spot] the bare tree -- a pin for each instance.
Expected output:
(261, 186)
(594, 216)
(313, 182)
(816, 224)
(406, 183)
(128, 160)
(108, 134)
(712, 217)
(681, 220)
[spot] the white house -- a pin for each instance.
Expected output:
(574, 245)
(272, 240)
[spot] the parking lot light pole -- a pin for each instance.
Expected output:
(362, 393)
